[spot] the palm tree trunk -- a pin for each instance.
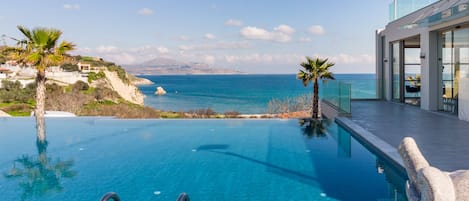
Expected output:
(316, 99)
(40, 104)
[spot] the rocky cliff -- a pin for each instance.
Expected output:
(127, 91)
(4, 114)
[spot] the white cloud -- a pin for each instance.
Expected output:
(107, 49)
(220, 45)
(185, 47)
(281, 33)
(163, 50)
(184, 38)
(296, 59)
(257, 58)
(125, 56)
(232, 22)
(209, 59)
(305, 39)
(145, 11)
(256, 33)
(285, 29)
(353, 59)
(316, 30)
(72, 6)
(210, 36)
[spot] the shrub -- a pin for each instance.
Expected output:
(287, 105)
(14, 92)
(201, 113)
(80, 86)
(92, 76)
(69, 67)
(231, 114)
(20, 109)
(103, 93)
(123, 110)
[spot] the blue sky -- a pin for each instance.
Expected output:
(261, 36)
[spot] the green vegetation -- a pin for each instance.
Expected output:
(120, 73)
(92, 76)
(69, 67)
(315, 69)
(14, 92)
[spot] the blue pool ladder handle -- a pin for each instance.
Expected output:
(110, 196)
(113, 196)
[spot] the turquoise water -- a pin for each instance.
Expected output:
(211, 160)
(247, 94)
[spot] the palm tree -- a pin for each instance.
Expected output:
(314, 128)
(315, 69)
(39, 175)
(40, 49)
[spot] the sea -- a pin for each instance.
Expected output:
(247, 94)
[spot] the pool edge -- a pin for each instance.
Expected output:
(378, 146)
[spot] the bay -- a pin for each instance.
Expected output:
(247, 94)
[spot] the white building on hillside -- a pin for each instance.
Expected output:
(422, 56)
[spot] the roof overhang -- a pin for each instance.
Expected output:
(441, 14)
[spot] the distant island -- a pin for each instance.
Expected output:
(166, 66)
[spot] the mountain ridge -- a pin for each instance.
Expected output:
(168, 66)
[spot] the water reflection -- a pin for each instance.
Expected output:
(40, 175)
(396, 180)
(314, 128)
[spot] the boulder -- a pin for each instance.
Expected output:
(160, 91)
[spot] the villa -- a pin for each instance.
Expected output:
(422, 56)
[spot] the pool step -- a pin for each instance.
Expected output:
(113, 196)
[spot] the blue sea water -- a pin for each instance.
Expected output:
(211, 160)
(247, 94)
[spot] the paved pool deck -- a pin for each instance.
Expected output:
(442, 138)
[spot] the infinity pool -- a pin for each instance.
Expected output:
(211, 160)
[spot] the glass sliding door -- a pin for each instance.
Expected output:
(412, 72)
(396, 71)
(454, 63)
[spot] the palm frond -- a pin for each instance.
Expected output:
(26, 32)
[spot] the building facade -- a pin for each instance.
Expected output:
(422, 57)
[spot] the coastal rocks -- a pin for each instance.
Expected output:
(141, 81)
(160, 91)
(129, 92)
(4, 114)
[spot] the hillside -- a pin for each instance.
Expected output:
(166, 66)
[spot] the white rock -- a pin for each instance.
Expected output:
(160, 91)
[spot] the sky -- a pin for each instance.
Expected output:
(253, 36)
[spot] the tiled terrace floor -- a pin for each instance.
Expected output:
(443, 139)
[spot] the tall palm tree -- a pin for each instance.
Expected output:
(315, 69)
(40, 49)
(39, 175)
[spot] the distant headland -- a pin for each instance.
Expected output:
(166, 66)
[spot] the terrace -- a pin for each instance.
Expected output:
(442, 138)
(356, 105)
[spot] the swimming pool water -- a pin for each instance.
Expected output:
(211, 160)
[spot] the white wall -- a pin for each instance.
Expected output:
(463, 99)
